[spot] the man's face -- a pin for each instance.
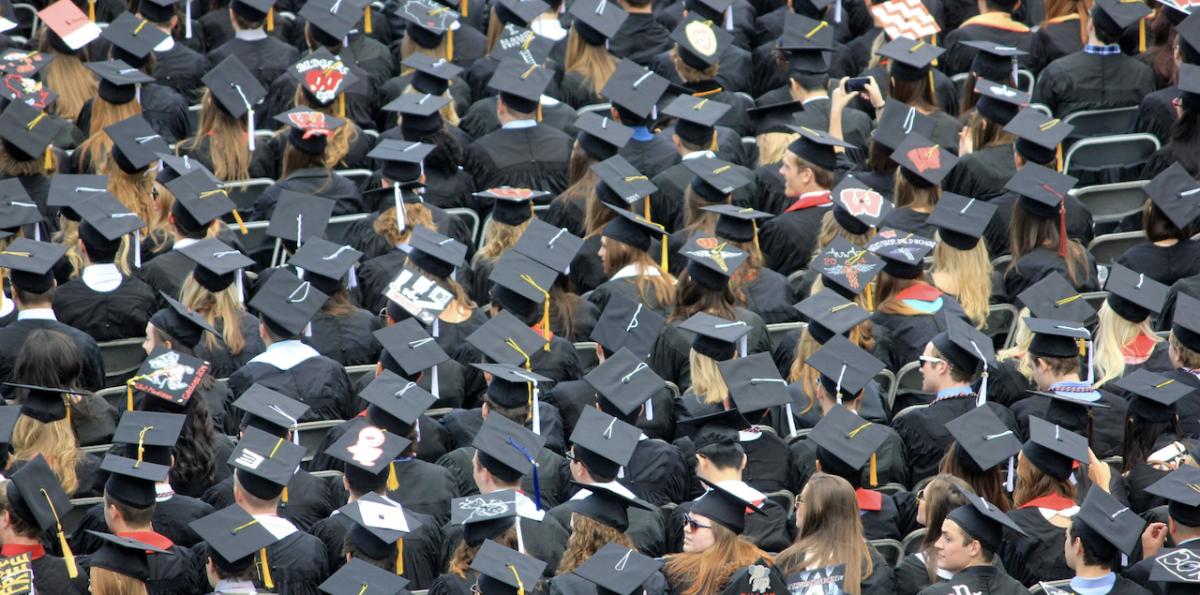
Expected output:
(793, 177)
(931, 379)
(953, 554)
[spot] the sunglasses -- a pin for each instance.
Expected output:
(931, 360)
(689, 522)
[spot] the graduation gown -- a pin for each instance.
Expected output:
(180, 68)
(980, 579)
(308, 499)
(910, 333)
(627, 286)
(223, 363)
(669, 357)
(1039, 555)
(646, 528)
(949, 97)
(911, 577)
(998, 27)
(640, 38)
(1039, 263)
(1122, 586)
(167, 272)
(1060, 37)
(560, 363)
(1079, 223)
(460, 462)
(789, 240)
(925, 437)
(983, 173)
(534, 157)
(910, 220)
(481, 119)
(1165, 264)
(770, 532)
(315, 380)
(171, 518)
(1108, 425)
(735, 65)
(1083, 81)
(12, 338)
(452, 584)
(297, 564)
(856, 125)
(347, 340)
(463, 424)
(572, 397)
(657, 472)
(544, 537)
(573, 584)
(651, 156)
(106, 315)
(587, 269)
(316, 181)
(890, 466)
(50, 572)
(265, 58)
(420, 546)
(1156, 114)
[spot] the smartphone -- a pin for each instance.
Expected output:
(854, 85)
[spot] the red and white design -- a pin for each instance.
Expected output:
(27, 90)
(311, 122)
(70, 23)
(926, 158)
(509, 192)
(366, 450)
(323, 77)
(860, 201)
(908, 18)
(1183, 5)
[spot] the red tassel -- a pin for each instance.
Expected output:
(1062, 229)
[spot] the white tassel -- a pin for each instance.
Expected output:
(520, 537)
(744, 350)
(729, 18)
(137, 248)
(1008, 483)
(537, 414)
(433, 384)
(37, 232)
(250, 129)
(137, 94)
(187, 19)
(982, 398)
(353, 281)
(837, 12)
(649, 409)
(1091, 376)
(791, 421)
(308, 330)
(400, 223)
(239, 286)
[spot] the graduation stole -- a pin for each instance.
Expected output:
(997, 20)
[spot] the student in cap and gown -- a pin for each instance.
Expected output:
(34, 503)
(1156, 114)
(308, 135)
(286, 305)
(996, 24)
(512, 208)
(104, 302)
(612, 570)
(986, 164)
(912, 61)
(1183, 520)
(1100, 76)
(993, 63)
(598, 137)
(1170, 254)
(619, 185)
(593, 23)
(363, 578)
(498, 523)
(341, 331)
(426, 75)
(1153, 429)
(923, 167)
(982, 523)
(878, 172)
(1132, 298)
(503, 571)
(178, 64)
(233, 541)
(133, 45)
(808, 81)
(755, 387)
(1185, 342)
(634, 93)
(700, 183)
(983, 449)
(227, 83)
(698, 43)
(264, 55)
(632, 235)
(26, 140)
(505, 453)
(30, 273)
(272, 414)
(715, 340)
(123, 564)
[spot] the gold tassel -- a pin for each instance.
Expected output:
(49, 160)
(539, 110)
(342, 105)
(663, 260)
(266, 570)
(449, 45)
(367, 20)
(1058, 156)
(931, 87)
(393, 483)
(285, 494)
(874, 476)
(648, 208)
(1082, 347)
(242, 226)
(1141, 35)
(464, 8)
(270, 19)
(756, 246)
(68, 557)
(129, 397)
(400, 554)
(91, 15)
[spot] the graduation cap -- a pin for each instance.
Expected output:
(1115, 16)
(700, 42)
(26, 132)
(171, 166)
(754, 383)
(548, 245)
(403, 161)
(9, 414)
(1189, 83)
(623, 382)
(1039, 137)
(1185, 326)
(234, 87)
(511, 386)
(858, 208)
(520, 12)
(634, 89)
(909, 59)
(70, 25)
(1106, 526)
(270, 411)
(627, 324)
(902, 253)
(804, 33)
(597, 21)
(1133, 296)
(1040, 190)
(1055, 298)
(168, 375)
(829, 314)
(966, 347)
(395, 403)
(721, 427)
(603, 442)
(995, 62)
(150, 435)
(983, 521)
(118, 81)
(618, 570)
(696, 118)
(999, 102)
(104, 219)
(503, 571)
(521, 85)
(430, 75)
(323, 75)
(421, 115)
(17, 209)
(983, 439)
(377, 523)
(513, 206)
(15, 87)
(1056, 338)
(521, 44)
(734, 222)
(216, 263)
(1181, 488)
(845, 368)
(816, 147)
(1188, 32)
(601, 136)
(521, 285)
(181, 322)
(29, 263)
(287, 303)
(158, 11)
(484, 516)
(309, 130)
(427, 21)
(1175, 571)
(1154, 396)
(922, 162)
(846, 268)
(330, 21)
(508, 450)
(133, 38)
(621, 184)
(1173, 194)
(724, 507)
(325, 263)
(412, 347)
(775, 117)
(131, 481)
(298, 217)
(362, 578)
(233, 537)
(960, 220)
(201, 199)
(633, 230)
(711, 261)
(68, 189)
(604, 504)
(123, 555)
(265, 463)
(1054, 449)
(715, 337)
(435, 253)
(37, 497)
(135, 144)
(504, 338)
(252, 10)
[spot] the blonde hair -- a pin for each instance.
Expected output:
(228, 150)
(339, 140)
(1022, 337)
(772, 146)
(224, 306)
(500, 237)
(592, 61)
(876, 59)
(1113, 335)
(449, 112)
(693, 75)
(56, 441)
(409, 47)
(414, 214)
(910, 196)
(971, 271)
(98, 146)
(67, 235)
(10, 166)
(107, 582)
(67, 75)
(135, 191)
(707, 381)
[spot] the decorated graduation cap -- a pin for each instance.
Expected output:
(816, 147)
(922, 162)
(133, 38)
(1055, 298)
(233, 537)
(623, 382)
(298, 217)
(696, 118)
(199, 200)
(269, 411)
(484, 516)
(846, 268)
(29, 263)
(287, 303)
(509, 451)
(829, 314)
(1175, 571)
(357, 577)
(377, 523)
(217, 265)
(634, 91)
(36, 496)
(521, 44)
(983, 521)
(428, 22)
(26, 132)
(1154, 396)
(1181, 488)
(326, 263)
(1133, 296)
(601, 136)
(700, 42)
(983, 440)
(618, 570)
(135, 144)
(435, 253)
(627, 324)
(909, 59)
(634, 230)
(235, 90)
(1054, 449)
(149, 436)
(1106, 526)
(858, 208)
(1039, 137)
(846, 443)
(28, 91)
(775, 117)
(431, 75)
(1185, 326)
(902, 253)
(966, 347)
(733, 222)
(68, 27)
(168, 375)
(603, 442)
(606, 505)
(715, 337)
(724, 507)
(845, 368)
(712, 261)
(309, 130)
(123, 555)
(597, 21)
(132, 482)
(960, 221)
(995, 62)
(999, 102)
(265, 463)
(323, 76)
(621, 184)
(504, 571)
(119, 82)
(520, 84)
(1174, 193)
(550, 246)
(1115, 16)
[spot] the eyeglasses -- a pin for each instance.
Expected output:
(920, 495)
(689, 522)
(570, 456)
(931, 360)
(1177, 102)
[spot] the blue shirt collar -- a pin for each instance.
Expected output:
(515, 124)
(1093, 586)
(1076, 390)
(1102, 50)
(642, 133)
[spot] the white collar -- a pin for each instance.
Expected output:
(527, 508)
(167, 45)
(252, 34)
(103, 277)
(612, 485)
(7, 307)
(812, 99)
(518, 124)
(699, 155)
(183, 243)
(285, 355)
(37, 314)
(239, 587)
(941, 572)
(748, 436)
(742, 490)
(1049, 513)
(548, 27)
(632, 270)
(277, 525)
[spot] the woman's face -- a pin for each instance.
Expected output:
(800, 506)
(922, 516)
(697, 533)
(149, 344)
(603, 247)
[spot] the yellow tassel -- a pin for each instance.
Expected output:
(342, 105)
(1141, 35)
(393, 483)
(400, 557)
(367, 20)
(663, 260)
(874, 476)
(72, 570)
(755, 224)
(242, 226)
(449, 45)
(285, 494)
(870, 306)
(266, 570)
(270, 21)
(1059, 157)
(931, 87)
(546, 323)
(91, 15)
(1082, 347)
(647, 208)
(129, 397)
(464, 8)
(49, 159)
(539, 111)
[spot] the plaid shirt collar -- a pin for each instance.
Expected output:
(1102, 50)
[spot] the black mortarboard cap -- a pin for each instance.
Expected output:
(605, 505)
(520, 12)
(523, 276)
(233, 86)
(265, 463)
(898, 121)
(721, 427)
(999, 102)
(150, 435)
(9, 414)
(1175, 571)
(512, 206)
(847, 268)
(494, 336)
(412, 347)
(1038, 135)
(1055, 298)
(16, 209)
(724, 507)
(597, 21)
(1188, 32)
(830, 313)
(123, 555)
(696, 118)
(43, 404)
(632, 229)
(603, 442)
(1056, 338)
(133, 38)
(323, 75)
(362, 578)
(135, 143)
(233, 537)
(1107, 526)
(298, 217)
(994, 62)
(714, 180)
(775, 117)
(288, 303)
(618, 570)
(521, 44)
(1040, 189)
(421, 115)
(754, 383)
(435, 253)
(733, 223)
(68, 189)
(1115, 16)
(309, 130)
(922, 162)
(395, 403)
(1054, 449)
(270, 411)
(403, 161)
(1185, 326)
(902, 253)
(983, 439)
(331, 20)
(37, 496)
(622, 180)
(634, 88)
(204, 199)
(504, 571)
(627, 324)
(909, 59)
(507, 449)
(1133, 296)
(431, 76)
(624, 382)
(600, 135)
(858, 208)
(816, 147)
(1181, 488)
(171, 166)
(700, 41)
(132, 481)
(548, 245)
(325, 263)
(118, 81)
(844, 365)
(105, 214)
(964, 345)
(377, 522)
(1154, 396)
(960, 220)
(715, 337)
(1173, 193)
(804, 33)
(29, 263)
(23, 127)
(712, 261)
(983, 521)
(216, 263)
(1189, 81)
(520, 85)
(510, 386)
(157, 11)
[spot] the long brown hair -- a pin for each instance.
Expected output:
(886, 289)
(1063, 10)
(940, 496)
(587, 537)
(592, 61)
(68, 76)
(1033, 483)
(12, 167)
(340, 139)
(98, 145)
(598, 215)
(226, 136)
(989, 485)
(691, 297)
(918, 94)
(295, 160)
(618, 255)
(830, 533)
(708, 572)
(409, 47)
(460, 561)
(414, 214)
(907, 195)
(1030, 232)
(582, 190)
(986, 134)
(703, 221)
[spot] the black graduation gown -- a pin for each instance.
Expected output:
(318, 382)
(308, 499)
(420, 546)
(572, 397)
(911, 577)
(180, 69)
(172, 573)
(766, 456)
(297, 564)
(587, 269)
(166, 272)
(1108, 425)
(222, 363)
(1165, 264)
(983, 173)
(1122, 586)
(164, 109)
(1156, 114)
(789, 240)
(577, 92)
(106, 316)
(266, 58)
(347, 340)
(569, 213)
(998, 27)
(50, 576)
(949, 97)
(981, 579)
(667, 204)
(1034, 267)
(646, 527)
(171, 518)
(856, 125)
(12, 338)
(890, 466)
(669, 357)
(1079, 223)
(462, 425)
(911, 333)
(657, 472)
(870, 408)
(736, 119)
(261, 161)
(481, 119)
(651, 157)
(346, 196)
(925, 437)
(452, 584)
(766, 75)
(907, 219)
(1037, 556)
(573, 584)
(545, 540)
(560, 363)
(535, 157)
(627, 286)
(640, 38)
(93, 419)
(770, 532)
(1083, 81)
(460, 462)
(1159, 162)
